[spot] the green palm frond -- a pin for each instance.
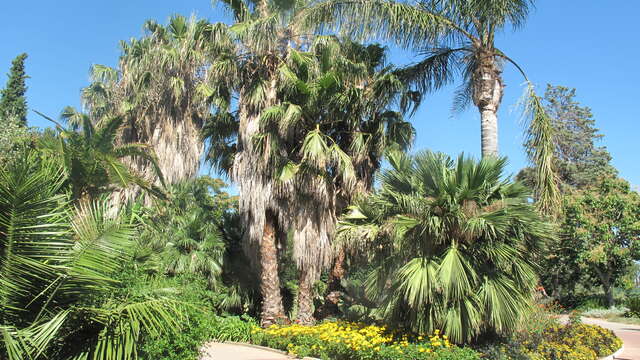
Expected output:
(540, 135)
(454, 243)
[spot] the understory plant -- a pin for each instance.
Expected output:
(59, 297)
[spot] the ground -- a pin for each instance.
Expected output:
(228, 351)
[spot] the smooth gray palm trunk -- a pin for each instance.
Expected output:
(487, 96)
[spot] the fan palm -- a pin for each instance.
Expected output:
(156, 90)
(57, 265)
(92, 161)
(455, 244)
(251, 53)
(454, 36)
(339, 111)
(186, 230)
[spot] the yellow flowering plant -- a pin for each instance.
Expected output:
(338, 340)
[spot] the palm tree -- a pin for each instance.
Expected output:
(454, 242)
(251, 52)
(93, 163)
(454, 37)
(338, 114)
(58, 296)
(157, 90)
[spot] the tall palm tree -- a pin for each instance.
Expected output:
(454, 37)
(304, 109)
(454, 243)
(157, 90)
(339, 112)
(58, 297)
(251, 52)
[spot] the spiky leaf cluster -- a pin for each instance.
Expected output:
(454, 242)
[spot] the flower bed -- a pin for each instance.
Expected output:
(568, 342)
(352, 341)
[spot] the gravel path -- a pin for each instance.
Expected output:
(228, 351)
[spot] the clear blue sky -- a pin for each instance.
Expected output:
(589, 45)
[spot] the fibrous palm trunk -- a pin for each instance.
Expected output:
(258, 209)
(272, 309)
(487, 96)
(305, 298)
(334, 290)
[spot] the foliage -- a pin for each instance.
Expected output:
(185, 231)
(573, 341)
(205, 318)
(454, 37)
(58, 297)
(94, 164)
(13, 103)
(454, 242)
(156, 90)
(13, 138)
(602, 225)
(202, 326)
(579, 162)
(633, 305)
(614, 311)
(579, 341)
(356, 341)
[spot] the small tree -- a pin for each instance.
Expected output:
(13, 103)
(603, 225)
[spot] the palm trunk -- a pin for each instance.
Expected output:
(305, 299)
(257, 209)
(334, 290)
(272, 309)
(487, 96)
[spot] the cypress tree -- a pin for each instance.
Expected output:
(13, 102)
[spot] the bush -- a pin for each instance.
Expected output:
(606, 313)
(633, 305)
(353, 341)
(579, 341)
(202, 326)
(569, 342)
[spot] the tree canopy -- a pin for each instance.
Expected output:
(13, 103)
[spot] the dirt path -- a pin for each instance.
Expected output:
(229, 351)
(630, 335)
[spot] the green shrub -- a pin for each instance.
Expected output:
(633, 305)
(201, 326)
(606, 313)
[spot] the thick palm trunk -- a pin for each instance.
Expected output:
(334, 291)
(272, 309)
(258, 208)
(487, 96)
(305, 299)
